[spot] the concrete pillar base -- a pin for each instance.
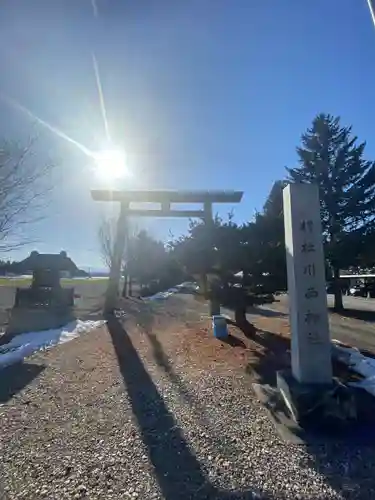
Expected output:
(317, 405)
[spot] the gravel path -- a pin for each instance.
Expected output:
(161, 411)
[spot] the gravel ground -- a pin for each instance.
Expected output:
(161, 411)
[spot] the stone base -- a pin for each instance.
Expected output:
(360, 431)
(317, 405)
(23, 320)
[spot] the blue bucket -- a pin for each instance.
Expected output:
(220, 327)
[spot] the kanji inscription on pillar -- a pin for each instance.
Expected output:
(311, 347)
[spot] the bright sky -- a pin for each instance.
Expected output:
(201, 94)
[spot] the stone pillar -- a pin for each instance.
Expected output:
(214, 304)
(116, 264)
(311, 346)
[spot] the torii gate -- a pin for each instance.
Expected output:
(165, 199)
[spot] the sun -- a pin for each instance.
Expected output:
(110, 164)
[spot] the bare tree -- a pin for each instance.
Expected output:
(24, 187)
(107, 234)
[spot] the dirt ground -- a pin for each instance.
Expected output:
(258, 352)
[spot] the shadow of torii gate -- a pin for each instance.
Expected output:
(164, 199)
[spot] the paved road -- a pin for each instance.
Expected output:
(358, 303)
(355, 326)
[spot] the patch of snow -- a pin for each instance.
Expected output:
(25, 344)
(359, 363)
(159, 296)
(171, 291)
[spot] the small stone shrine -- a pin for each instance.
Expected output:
(45, 304)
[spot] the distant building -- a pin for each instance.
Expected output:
(60, 262)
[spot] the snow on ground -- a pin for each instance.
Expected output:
(26, 344)
(161, 295)
(359, 363)
(176, 289)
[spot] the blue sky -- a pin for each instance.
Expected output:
(202, 94)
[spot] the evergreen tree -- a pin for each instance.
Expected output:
(264, 242)
(331, 157)
(272, 221)
(147, 258)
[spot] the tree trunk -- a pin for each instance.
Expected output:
(204, 282)
(241, 321)
(130, 286)
(215, 298)
(240, 315)
(125, 287)
(240, 306)
(214, 307)
(338, 305)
